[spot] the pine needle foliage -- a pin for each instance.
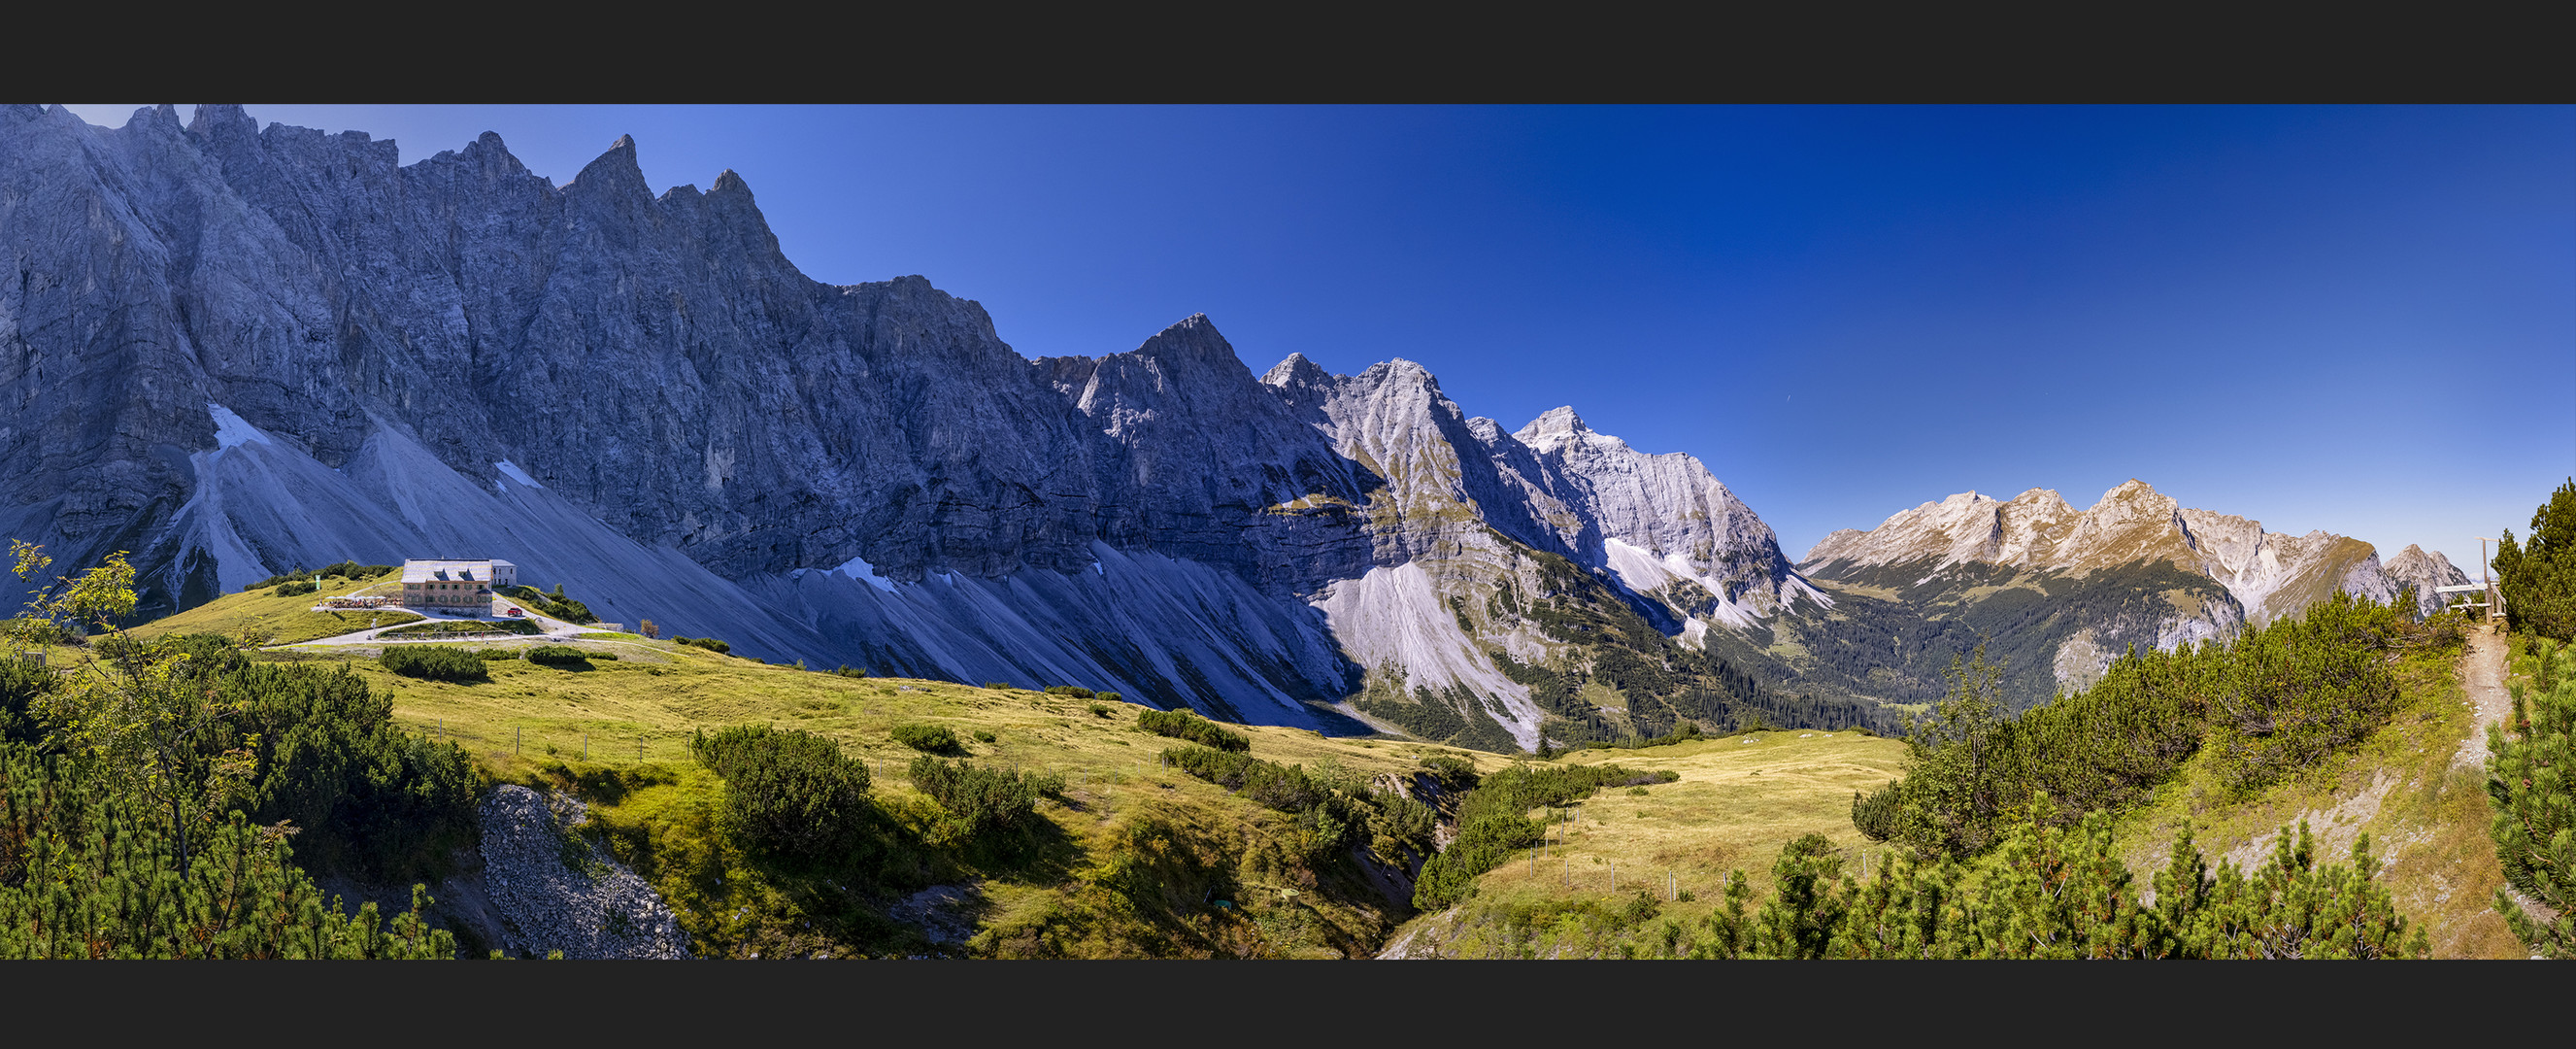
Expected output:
(435, 663)
(2057, 890)
(89, 870)
(2531, 787)
(980, 798)
(2538, 578)
(787, 792)
(1183, 724)
(927, 738)
(370, 798)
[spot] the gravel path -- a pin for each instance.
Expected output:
(589, 907)
(2483, 675)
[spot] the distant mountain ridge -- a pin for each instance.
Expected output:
(2269, 574)
(2079, 587)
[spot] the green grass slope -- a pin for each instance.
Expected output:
(1132, 860)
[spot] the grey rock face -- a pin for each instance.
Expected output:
(236, 350)
(601, 910)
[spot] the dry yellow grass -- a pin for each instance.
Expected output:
(1734, 807)
(656, 694)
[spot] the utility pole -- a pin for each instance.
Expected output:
(2484, 578)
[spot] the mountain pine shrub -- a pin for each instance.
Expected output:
(929, 739)
(787, 792)
(1183, 724)
(2531, 786)
(435, 663)
(23, 686)
(94, 873)
(2538, 578)
(981, 799)
(563, 656)
(371, 798)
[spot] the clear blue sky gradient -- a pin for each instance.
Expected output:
(2355, 319)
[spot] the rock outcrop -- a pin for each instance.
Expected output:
(555, 891)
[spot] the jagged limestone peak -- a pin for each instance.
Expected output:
(1295, 369)
(1552, 429)
(1195, 338)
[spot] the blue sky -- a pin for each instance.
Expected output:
(2355, 319)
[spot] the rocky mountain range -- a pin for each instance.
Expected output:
(2066, 591)
(237, 350)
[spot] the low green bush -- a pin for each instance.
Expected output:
(1284, 787)
(710, 644)
(370, 797)
(1456, 774)
(295, 589)
(851, 671)
(354, 570)
(1182, 724)
(199, 655)
(980, 798)
(1069, 691)
(787, 792)
(930, 739)
(435, 663)
(1333, 805)
(563, 655)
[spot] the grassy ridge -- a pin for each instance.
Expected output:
(1132, 860)
(1142, 854)
(285, 620)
